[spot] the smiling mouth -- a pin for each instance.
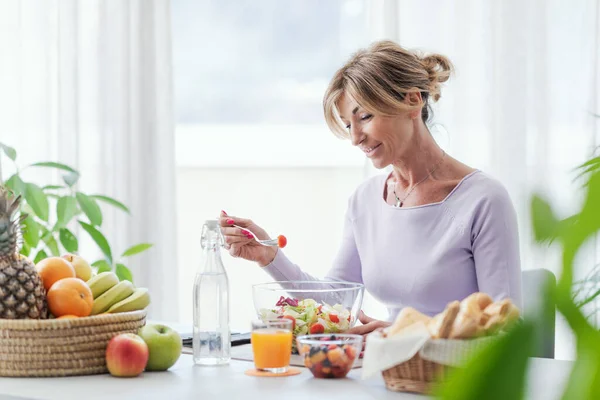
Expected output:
(369, 150)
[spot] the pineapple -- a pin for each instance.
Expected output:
(22, 294)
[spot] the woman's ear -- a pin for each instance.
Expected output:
(414, 99)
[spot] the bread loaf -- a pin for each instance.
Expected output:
(477, 315)
(407, 317)
(471, 318)
(440, 326)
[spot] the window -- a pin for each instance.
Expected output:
(251, 137)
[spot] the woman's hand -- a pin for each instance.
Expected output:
(241, 244)
(368, 325)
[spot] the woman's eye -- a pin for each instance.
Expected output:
(348, 126)
(365, 117)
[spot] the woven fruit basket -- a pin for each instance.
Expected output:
(61, 347)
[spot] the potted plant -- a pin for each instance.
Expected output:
(56, 213)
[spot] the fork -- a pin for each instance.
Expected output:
(280, 241)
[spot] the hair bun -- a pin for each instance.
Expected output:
(438, 68)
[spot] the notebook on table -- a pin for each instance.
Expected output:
(237, 338)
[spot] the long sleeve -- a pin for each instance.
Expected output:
(346, 265)
(495, 247)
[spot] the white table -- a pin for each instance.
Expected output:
(186, 381)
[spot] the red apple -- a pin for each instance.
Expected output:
(126, 355)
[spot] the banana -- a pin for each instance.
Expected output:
(119, 292)
(139, 300)
(102, 282)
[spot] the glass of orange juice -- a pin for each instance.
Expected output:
(272, 344)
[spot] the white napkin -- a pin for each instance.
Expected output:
(383, 353)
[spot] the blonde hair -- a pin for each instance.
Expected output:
(379, 78)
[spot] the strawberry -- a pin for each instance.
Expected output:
(291, 319)
(317, 328)
(334, 318)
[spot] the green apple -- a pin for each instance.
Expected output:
(164, 344)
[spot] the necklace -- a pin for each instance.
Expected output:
(400, 202)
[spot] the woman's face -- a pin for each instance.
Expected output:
(383, 139)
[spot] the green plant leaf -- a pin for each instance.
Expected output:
(138, 248)
(16, 184)
(50, 241)
(25, 249)
(584, 382)
(123, 273)
(40, 256)
(66, 209)
(37, 200)
(496, 372)
(111, 201)
(90, 208)
(9, 151)
(52, 164)
(31, 232)
(25, 208)
(71, 179)
(590, 206)
(545, 224)
(100, 240)
(52, 187)
(102, 266)
(68, 240)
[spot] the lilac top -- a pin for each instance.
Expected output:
(426, 256)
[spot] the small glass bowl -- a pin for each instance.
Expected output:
(329, 355)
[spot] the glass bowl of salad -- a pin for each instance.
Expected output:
(315, 307)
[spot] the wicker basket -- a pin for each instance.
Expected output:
(415, 375)
(422, 375)
(61, 347)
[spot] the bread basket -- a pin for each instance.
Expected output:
(417, 352)
(421, 374)
(61, 347)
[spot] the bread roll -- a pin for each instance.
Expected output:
(475, 305)
(470, 319)
(501, 314)
(498, 308)
(407, 317)
(441, 325)
(466, 324)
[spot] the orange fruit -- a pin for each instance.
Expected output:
(68, 316)
(70, 296)
(52, 269)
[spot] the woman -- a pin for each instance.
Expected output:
(433, 230)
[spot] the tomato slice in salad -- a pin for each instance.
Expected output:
(317, 328)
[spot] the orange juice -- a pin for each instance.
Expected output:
(272, 348)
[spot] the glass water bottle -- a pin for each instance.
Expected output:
(212, 341)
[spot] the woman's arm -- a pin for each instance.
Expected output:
(495, 247)
(346, 265)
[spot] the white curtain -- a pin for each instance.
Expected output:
(88, 83)
(521, 104)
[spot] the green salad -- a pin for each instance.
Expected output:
(309, 316)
